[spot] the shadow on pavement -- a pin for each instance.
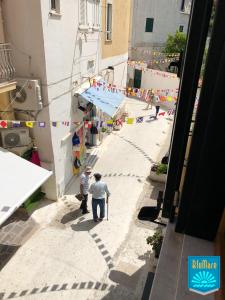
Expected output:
(84, 226)
(6, 253)
(135, 286)
(151, 119)
(71, 216)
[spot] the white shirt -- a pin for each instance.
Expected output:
(98, 190)
(84, 181)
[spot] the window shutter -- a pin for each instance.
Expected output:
(149, 25)
(83, 12)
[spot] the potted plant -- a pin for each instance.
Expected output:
(158, 172)
(156, 242)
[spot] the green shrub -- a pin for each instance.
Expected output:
(156, 241)
(161, 169)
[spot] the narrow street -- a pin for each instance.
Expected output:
(70, 256)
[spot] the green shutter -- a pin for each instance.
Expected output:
(149, 25)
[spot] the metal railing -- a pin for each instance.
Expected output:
(7, 70)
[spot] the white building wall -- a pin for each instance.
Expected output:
(119, 75)
(68, 52)
(51, 47)
(167, 20)
(23, 29)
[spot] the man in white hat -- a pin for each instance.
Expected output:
(84, 187)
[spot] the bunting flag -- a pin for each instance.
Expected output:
(130, 121)
(55, 124)
(3, 124)
(16, 124)
(144, 63)
(139, 119)
(119, 122)
(65, 123)
(41, 124)
(109, 123)
(88, 124)
(29, 124)
(154, 52)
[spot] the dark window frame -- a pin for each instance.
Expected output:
(149, 25)
(181, 27)
(109, 21)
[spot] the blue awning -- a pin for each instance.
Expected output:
(107, 101)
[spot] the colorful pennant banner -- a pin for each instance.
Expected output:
(151, 62)
(87, 124)
(154, 53)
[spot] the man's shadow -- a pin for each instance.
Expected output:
(86, 225)
(71, 216)
(127, 284)
(151, 118)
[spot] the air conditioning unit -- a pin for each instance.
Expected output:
(15, 137)
(27, 95)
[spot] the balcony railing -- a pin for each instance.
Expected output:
(7, 70)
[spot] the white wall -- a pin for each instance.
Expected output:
(51, 48)
(23, 29)
(67, 52)
(167, 19)
(150, 80)
(119, 76)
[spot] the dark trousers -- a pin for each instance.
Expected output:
(83, 205)
(101, 204)
(157, 110)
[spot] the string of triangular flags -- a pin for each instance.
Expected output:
(151, 61)
(155, 72)
(114, 88)
(144, 94)
(154, 53)
(87, 124)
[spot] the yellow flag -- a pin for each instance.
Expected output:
(30, 124)
(169, 98)
(130, 120)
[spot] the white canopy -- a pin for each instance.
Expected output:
(19, 179)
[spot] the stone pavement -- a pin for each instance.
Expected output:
(70, 256)
(13, 234)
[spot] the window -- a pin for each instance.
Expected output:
(182, 5)
(181, 28)
(55, 6)
(96, 14)
(83, 14)
(109, 22)
(149, 25)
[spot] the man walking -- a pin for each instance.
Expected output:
(98, 191)
(84, 186)
(156, 101)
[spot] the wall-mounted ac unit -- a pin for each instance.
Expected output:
(27, 95)
(15, 137)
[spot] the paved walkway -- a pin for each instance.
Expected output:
(70, 256)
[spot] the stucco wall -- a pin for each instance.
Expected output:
(67, 52)
(120, 28)
(167, 19)
(23, 29)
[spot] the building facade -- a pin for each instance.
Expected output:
(64, 44)
(152, 22)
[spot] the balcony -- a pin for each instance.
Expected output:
(7, 70)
